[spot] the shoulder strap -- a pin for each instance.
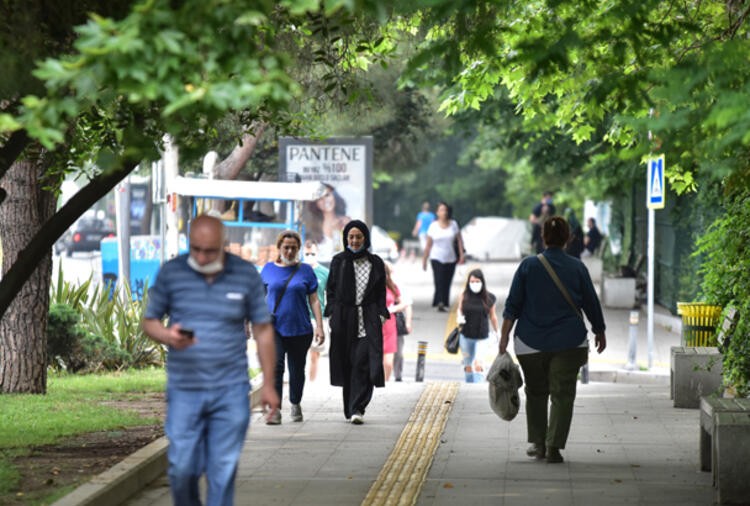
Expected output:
(559, 284)
(281, 293)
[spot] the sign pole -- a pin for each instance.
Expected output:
(650, 297)
(655, 192)
(122, 209)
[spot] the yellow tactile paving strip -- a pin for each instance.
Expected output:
(401, 479)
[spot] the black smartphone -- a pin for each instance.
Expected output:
(187, 333)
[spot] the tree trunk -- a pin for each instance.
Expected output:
(230, 167)
(23, 330)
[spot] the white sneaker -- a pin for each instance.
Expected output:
(358, 419)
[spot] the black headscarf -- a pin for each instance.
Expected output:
(365, 231)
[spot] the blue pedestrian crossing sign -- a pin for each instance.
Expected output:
(655, 190)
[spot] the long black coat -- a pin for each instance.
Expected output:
(342, 312)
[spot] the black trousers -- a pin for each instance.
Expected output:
(358, 389)
(294, 349)
(442, 276)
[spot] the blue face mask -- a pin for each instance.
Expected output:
(355, 250)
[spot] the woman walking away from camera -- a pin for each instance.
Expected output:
(476, 309)
(290, 286)
(356, 308)
(444, 248)
(550, 336)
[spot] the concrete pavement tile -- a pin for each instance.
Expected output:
(468, 467)
(333, 492)
(351, 467)
(452, 492)
(525, 492)
(607, 495)
(279, 491)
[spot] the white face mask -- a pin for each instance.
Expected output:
(209, 269)
(475, 286)
(288, 262)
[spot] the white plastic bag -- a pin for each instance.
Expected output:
(504, 381)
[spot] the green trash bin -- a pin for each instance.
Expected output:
(699, 322)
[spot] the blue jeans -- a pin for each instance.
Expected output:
(468, 348)
(206, 430)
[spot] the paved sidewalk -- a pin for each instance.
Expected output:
(628, 445)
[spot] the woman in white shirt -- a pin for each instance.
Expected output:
(444, 248)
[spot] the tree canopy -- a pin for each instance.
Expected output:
(587, 82)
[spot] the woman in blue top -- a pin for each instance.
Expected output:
(288, 305)
(550, 337)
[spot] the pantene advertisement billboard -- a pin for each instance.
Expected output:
(344, 166)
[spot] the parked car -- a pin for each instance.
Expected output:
(85, 235)
(383, 244)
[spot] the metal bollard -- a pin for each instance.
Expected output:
(421, 355)
(632, 341)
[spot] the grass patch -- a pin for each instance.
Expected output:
(9, 476)
(73, 405)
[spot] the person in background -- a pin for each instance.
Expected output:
(355, 305)
(209, 297)
(574, 247)
(546, 200)
(424, 219)
(475, 313)
(444, 249)
(291, 286)
(593, 238)
(321, 273)
(551, 341)
(544, 209)
(404, 307)
(390, 332)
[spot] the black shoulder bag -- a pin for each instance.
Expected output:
(281, 294)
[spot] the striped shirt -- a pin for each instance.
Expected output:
(217, 313)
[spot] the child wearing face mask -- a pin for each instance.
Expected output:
(476, 311)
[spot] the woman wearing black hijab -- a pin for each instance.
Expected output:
(356, 308)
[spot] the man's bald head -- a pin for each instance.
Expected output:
(207, 224)
(206, 239)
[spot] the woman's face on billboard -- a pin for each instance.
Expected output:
(327, 202)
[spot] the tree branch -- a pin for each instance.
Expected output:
(42, 242)
(230, 167)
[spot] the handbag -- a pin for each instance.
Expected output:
(281, 294)
(451, 342)
(401, 329)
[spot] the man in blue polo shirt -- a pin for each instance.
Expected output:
(422, 224)
(209, 297)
